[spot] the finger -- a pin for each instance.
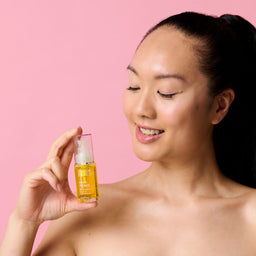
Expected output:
(67, 154)
(58, 169)
(74, 205)
(62, 142)
(43, 174)
(54, 164)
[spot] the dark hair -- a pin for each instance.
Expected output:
(227, 56)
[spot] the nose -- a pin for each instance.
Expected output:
(145, 105)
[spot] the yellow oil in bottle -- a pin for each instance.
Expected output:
(86, 182)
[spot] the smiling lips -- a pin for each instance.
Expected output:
(147, 135)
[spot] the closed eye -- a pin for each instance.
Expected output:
(166, 95)
(132, 88)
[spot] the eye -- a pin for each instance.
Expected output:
(169, 96)
(130, 88)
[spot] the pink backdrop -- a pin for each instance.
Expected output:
(63, 64)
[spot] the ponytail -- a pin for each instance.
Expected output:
(235, 136)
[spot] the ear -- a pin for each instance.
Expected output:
(221, 105)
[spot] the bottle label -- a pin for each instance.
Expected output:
(86, 180)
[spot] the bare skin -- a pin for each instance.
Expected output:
(181, 205)
(135, 221)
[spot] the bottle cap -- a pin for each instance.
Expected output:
(83, 152)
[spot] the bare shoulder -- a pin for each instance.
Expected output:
(63, 235)
(244, 198)
(249, 204)
(245, 205)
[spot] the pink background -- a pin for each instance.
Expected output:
(63, 64)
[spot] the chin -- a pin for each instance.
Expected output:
(144, 158)
(145, 155)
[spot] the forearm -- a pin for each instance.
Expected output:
(19, 237)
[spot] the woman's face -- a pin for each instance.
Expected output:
(167, 103)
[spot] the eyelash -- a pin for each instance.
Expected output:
(169, 96)
(133, 88)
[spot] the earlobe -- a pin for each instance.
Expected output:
(223, 102)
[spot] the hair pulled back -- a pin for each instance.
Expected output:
(227, 56)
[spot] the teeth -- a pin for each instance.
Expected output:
(150, 132)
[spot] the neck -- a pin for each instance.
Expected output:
(198, 175)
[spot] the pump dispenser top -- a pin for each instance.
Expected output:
(83, 150)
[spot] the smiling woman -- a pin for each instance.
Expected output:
(171, 95)
(191, 86)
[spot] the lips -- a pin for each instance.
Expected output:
(147, 134)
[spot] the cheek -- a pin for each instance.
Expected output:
(174, 113)
(187, 112)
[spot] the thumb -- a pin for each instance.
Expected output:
(74, 205)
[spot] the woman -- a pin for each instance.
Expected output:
(197, 197)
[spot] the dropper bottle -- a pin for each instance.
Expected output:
(85, 169)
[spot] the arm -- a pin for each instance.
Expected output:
(45, 195)
(19, 237)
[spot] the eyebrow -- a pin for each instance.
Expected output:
(159, 76)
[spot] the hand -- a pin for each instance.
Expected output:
(45, 193)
